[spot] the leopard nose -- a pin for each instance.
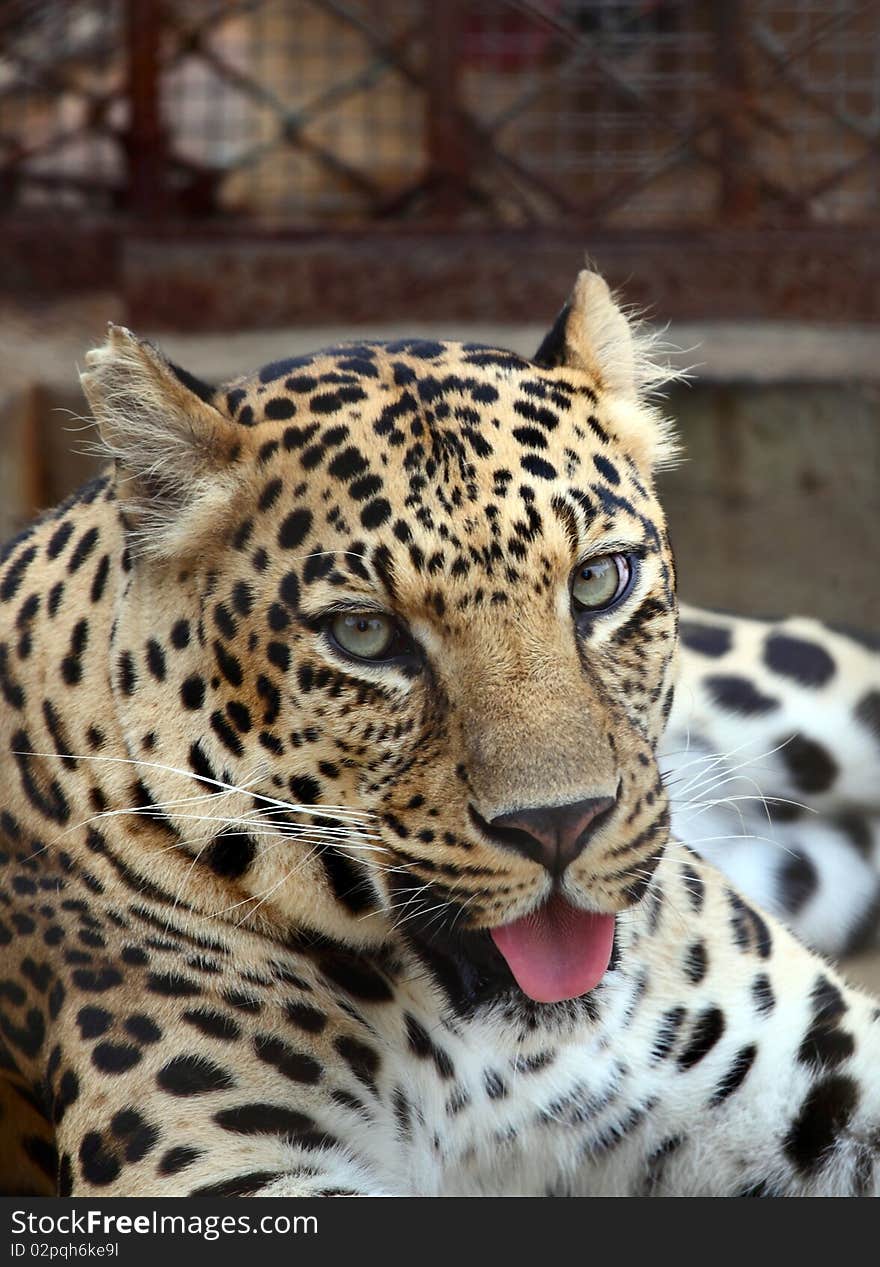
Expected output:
(553, 835)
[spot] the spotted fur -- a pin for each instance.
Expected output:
(772, 758)
(247, 881)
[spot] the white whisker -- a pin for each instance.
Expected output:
(321, 811)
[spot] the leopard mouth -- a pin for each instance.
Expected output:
(554, 954)
(557, 951)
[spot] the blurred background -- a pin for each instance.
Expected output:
(243, 179)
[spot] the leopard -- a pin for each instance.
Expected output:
(771, 755)
(347, 718)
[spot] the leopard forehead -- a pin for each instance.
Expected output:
(456, 450)
(430, 407)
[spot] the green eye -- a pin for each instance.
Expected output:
(600, 582)
(367, 635)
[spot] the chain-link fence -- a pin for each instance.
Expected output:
(593, 115)
(646, 112)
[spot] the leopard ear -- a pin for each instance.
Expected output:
(592, 335)
(173, 448)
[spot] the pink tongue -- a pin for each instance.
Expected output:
(556, 952)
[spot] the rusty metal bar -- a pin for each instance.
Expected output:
(738, 192)
(145, 139)
(175, 276)
(180, 282)
(447, 143)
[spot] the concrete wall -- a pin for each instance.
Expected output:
(776, 508)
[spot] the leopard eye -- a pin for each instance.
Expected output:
(367, 635)
(599, 583)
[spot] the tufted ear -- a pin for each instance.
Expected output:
(173, 449)
(592, 334)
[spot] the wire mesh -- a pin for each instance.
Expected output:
(818, 63)
(295, 110)
(588, 103)
(628, 113)
(62, 107)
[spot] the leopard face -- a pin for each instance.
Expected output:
(407, 611)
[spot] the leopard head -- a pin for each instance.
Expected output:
(430, 617)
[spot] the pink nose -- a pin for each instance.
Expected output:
(553, 835)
